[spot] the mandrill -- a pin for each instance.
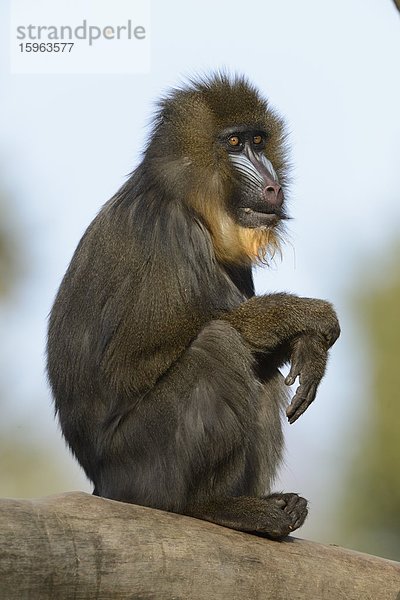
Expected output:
(164, 365)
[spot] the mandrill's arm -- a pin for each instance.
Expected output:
(300, 330)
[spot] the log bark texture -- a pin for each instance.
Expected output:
(79, 546)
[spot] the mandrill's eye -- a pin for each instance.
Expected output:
(257, 139)
(234, 141)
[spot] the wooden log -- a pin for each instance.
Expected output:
(79, 546)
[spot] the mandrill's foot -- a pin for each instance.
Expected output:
(276, 515)
(287, 512)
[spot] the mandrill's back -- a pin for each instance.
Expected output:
(127, 308)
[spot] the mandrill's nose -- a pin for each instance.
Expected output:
(273, 194)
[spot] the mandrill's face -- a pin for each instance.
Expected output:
(257, 197)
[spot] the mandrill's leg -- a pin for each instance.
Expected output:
(195, 446)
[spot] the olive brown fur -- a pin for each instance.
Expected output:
(164, 365)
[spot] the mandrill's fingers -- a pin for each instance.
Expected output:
(308, 362)
(304, 396)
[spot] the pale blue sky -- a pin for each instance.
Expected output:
(331, 68)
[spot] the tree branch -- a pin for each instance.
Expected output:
(79, 546)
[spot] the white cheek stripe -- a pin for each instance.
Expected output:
(249, 171)
(246, 167)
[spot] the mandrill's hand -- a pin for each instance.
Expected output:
(308, 362)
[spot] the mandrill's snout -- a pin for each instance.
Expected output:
(273, 195)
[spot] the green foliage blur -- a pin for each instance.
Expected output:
(29, 466)
(8, 250)
(371, 514)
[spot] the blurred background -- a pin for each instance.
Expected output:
(68, 142)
